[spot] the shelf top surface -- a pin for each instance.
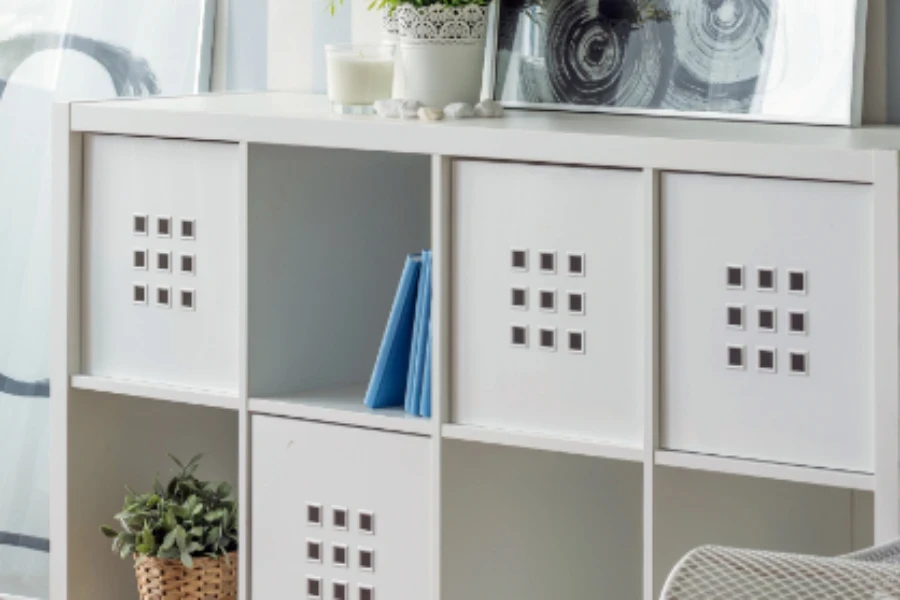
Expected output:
(291, 106)
(343, 405)
(620, 141)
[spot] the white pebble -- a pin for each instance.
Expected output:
(488, 109)
(428, 113)
(459, 110)
(409, 109)
(389, 109)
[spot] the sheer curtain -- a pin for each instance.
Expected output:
(53, 50)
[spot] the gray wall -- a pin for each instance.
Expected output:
(893, 61)
(247, 49)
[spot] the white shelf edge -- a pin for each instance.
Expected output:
(766, 470)
(391, 420)
(157, 391)
(545, 442)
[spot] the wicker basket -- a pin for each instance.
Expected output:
(210, 579)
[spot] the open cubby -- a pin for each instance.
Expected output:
(115, 441)
(694, 508)
(525, 524)
(328, 232)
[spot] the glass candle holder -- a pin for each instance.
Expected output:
(358, 75)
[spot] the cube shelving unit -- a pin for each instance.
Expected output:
(649, 334)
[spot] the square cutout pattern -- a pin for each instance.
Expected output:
(339, 518)
(519, 336)
(576, 265)
(519, 298)
(313, 514)
(765, 279)
(164, 226)
(164, 261)
(139, 224)
(766, 320)
(366, 559)
(188, 229)
(139, 260)
(547, 261)
(518, 259)
(366, 592)
(734, 277)
(314, 551)
(367, 522)
(187, 264)
(547, 300)
(164, 297)
(734, 316)
(797, 281)
(577, 303)
(187, 299)
(576, 341)
(339, 590)
(735, 357)
(766, 360)
(798, 361)
(797, 322)
(313, 588)
(548, 339)
(339, 556)
(139, 293)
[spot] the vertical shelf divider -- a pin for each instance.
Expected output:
(441, 236)
(244, 476)
(652, 315)
(886, 325)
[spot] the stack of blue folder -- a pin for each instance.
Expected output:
(402, 374)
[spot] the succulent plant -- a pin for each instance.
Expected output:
(184, 519)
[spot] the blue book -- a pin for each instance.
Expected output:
(420, 334)
(387, 387)
(413, 382)
(425, 401)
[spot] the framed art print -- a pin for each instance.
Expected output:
(798, 61)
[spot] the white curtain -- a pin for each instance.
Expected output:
(60, 50)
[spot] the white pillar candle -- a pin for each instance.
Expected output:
(359, 75)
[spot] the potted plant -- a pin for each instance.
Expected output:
(183, 537)
(441, 45)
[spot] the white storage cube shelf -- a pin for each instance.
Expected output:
(338, 511)
(160, 291)
(637, 324)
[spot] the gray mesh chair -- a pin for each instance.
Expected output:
(716, 573)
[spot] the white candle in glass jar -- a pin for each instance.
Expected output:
(359, 75)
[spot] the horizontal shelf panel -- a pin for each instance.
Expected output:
(342, 406)
(766, 470)
(157, 391)
(292, 119)
(541, 441)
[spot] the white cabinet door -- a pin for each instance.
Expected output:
(768, 320)
(160, 261)
(548, 299)
(339, 506)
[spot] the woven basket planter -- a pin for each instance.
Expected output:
(210, 579)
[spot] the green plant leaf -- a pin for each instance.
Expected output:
(224, 490)
(176, 461)
(180, 537)
(168, 541)
(108, 531)
(187, 560)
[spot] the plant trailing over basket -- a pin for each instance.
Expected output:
(391, 5)
(186, 518)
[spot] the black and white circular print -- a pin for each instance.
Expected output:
(679, 55)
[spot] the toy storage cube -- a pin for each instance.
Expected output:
(339, 512)
(547, 299)
(767, 300)
(160, 260)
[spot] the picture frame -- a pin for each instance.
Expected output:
(786, 62)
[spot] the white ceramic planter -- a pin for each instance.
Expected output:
(442, 52)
